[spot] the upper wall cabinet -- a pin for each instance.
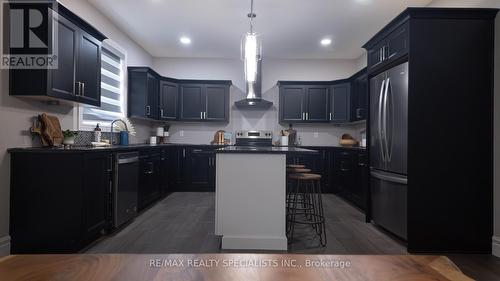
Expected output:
(166, 99)
(339, 101)
(169, 97)
(77, 77)
(143, 93)
(393, 46)
(204, 102)
(303, 103)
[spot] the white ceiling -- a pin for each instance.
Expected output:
(289, 28)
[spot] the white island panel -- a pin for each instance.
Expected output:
(250, 201)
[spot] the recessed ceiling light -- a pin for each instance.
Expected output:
(185, 40)
(326, 41)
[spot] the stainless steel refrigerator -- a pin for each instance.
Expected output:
(388, 149)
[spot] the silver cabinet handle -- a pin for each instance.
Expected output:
(161, 113)
(303, 116)
(183, 153)
(307, 115)
(83, 89)
(201, 114)
(78, 88)
(330, 116)
(204, 115)
(148, 110)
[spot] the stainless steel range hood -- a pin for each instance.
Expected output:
(254, 93)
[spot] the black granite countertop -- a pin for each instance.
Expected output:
(265, 150)
(230, 149)
(113, 148)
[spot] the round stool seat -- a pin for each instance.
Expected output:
(298, 170)
(293, 166)
(305, 177)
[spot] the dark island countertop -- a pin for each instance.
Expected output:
(265, 150)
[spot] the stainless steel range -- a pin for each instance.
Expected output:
(254, 138)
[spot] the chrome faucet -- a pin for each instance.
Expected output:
(112, 125)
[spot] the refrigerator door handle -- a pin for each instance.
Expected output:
(385, 116)
(389, 178)
(381, 98)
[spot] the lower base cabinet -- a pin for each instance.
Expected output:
(150, 176)
(59, 201)
(193, 169)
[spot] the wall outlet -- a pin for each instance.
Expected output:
(316, 135)
(181, 133)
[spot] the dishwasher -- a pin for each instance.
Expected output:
(125, 187)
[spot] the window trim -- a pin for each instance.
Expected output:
(120, 52)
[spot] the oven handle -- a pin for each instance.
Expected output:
(128, 160)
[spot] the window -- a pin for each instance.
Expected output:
(112, 94)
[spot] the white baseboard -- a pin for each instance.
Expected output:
(495, 247)
(5, 246)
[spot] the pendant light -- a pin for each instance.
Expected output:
(251, 50)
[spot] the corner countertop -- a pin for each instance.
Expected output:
(113, 148)
(227, 148)
(265, 150)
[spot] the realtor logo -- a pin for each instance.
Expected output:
(29, 35)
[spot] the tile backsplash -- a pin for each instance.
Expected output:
(84, 138)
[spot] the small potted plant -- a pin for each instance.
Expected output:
(69, 137)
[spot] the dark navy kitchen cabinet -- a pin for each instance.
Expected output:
(192, 105)
(317, 103)
(340, 103)
(169, 96)
(359, 96)
(88, 69)
(204, 102)
(194, 168)
(65, 208)
(292, 103)
(76, 77)
(303, 102)
(149, 178)
(217, 103)
(393, 45)
(143, 93)
(97, 186)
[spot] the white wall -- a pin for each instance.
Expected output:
(272, 71)
(496, 153)
(16, 114)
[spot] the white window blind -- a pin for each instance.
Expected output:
(112, 100)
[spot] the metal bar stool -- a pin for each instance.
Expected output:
(303, 202)
(310, 211)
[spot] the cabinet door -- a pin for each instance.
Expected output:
(340, 103)
(359, 98)
(199, 164)
(317, 104)
(96, 190)
(375, 55)
(344, 169)
(397, 43)
(192, 102)
(88, 70)
(153, 91)
(217, 103)
(292, 104)
(168, 100)
(61, 81)
(361, 177)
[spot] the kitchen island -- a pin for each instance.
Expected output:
(250, 196)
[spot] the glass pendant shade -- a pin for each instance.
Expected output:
(251, 53)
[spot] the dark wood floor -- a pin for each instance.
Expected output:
(184, 223)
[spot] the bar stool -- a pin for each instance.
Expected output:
(305, 205)
(294, 169)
